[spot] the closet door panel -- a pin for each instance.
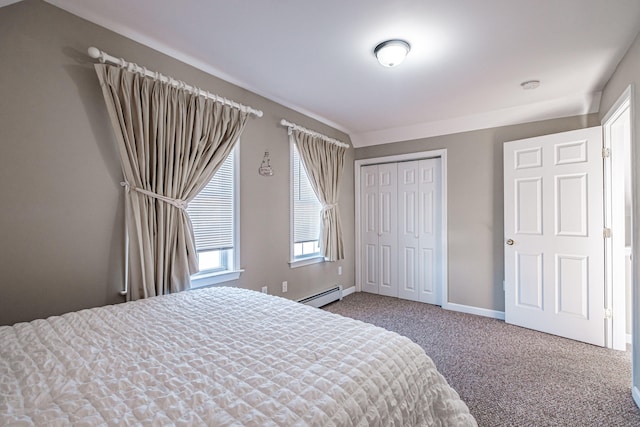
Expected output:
(429, 229)
(369, 222)
(387, 229)
(409, 284)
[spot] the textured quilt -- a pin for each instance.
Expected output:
(218, 357)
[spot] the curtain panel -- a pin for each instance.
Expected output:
(324, 163)
(170, 143)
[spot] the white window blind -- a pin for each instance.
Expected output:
(306, 207)
(211, 211)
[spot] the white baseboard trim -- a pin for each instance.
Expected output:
(636, 395)
(348, 291)
(474, 310)
(629, 339)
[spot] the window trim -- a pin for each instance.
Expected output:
(293, 261)
(200, 280)
(301, 262)
(208, 278)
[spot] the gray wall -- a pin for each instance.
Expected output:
(628, 72)
(61, 205)
(475, 202)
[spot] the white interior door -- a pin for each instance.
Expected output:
(429, 229)
(369, 228)
(387, 229)
(554, 251)
(409, 255)
(418, 230)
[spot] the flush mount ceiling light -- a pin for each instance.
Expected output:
(392, 52)
(530, 84)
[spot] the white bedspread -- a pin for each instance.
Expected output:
(218, 357)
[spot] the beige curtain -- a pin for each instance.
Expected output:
(324, 163)
(170, 143)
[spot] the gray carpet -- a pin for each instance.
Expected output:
(510, 376)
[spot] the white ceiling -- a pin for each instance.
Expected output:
(464, 71)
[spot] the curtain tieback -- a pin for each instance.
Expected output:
(180, 204)
(330, 206)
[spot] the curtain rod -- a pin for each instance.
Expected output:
(293, 126)
(103, 57)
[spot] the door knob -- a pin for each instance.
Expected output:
(510, 242)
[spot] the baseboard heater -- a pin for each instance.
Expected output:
(324, 297)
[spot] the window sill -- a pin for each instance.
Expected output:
(208, 279)
(306, 261)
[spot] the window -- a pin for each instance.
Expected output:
(213, 214)
(305, 215)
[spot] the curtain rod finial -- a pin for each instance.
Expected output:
(94, 52)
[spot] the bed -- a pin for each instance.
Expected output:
(218, 357)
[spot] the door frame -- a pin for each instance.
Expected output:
(615, 299)
(443, 297)
(635, 244)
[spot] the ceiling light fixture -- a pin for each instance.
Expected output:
(392, 52)
(530, 84)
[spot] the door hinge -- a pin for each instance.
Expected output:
(607, 313)
(606, 152)
(606, 233)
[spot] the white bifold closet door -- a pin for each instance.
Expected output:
(400, 229)
(418, 230)
(379, 225)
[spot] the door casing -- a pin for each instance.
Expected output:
(614, 194)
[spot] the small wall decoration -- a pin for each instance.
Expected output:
(265, 168)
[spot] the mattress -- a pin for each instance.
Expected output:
(218, 357)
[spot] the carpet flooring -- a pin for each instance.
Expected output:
(507, 375)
